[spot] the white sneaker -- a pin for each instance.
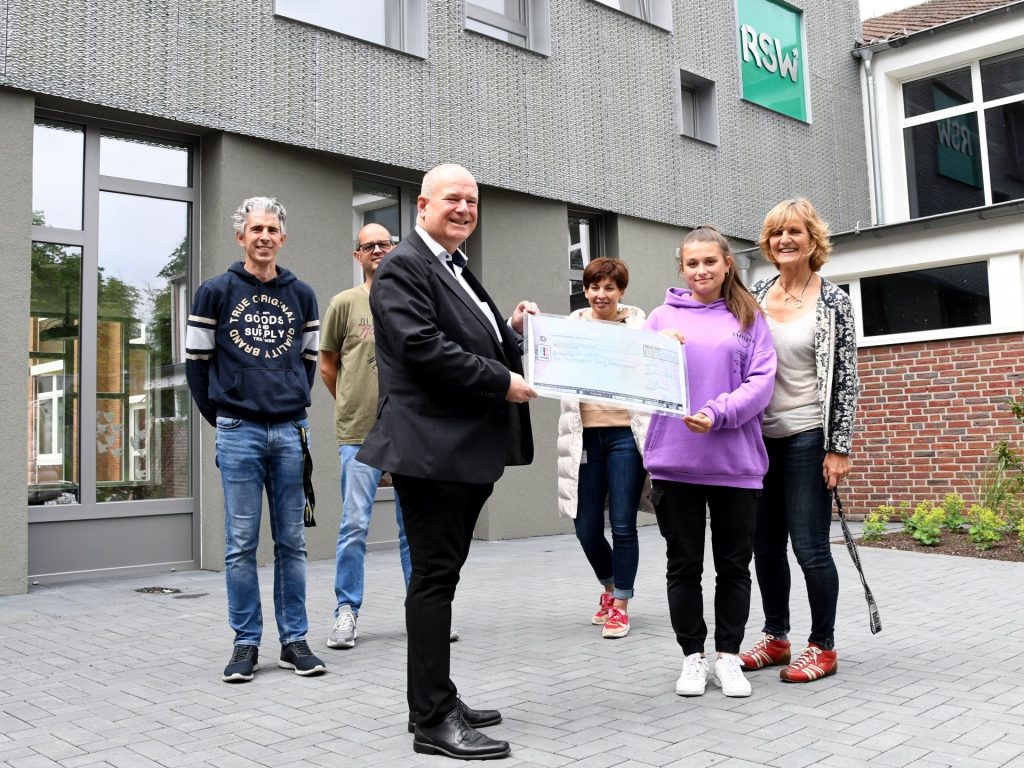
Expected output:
(343, 633)
(728, 675)
(694, 678)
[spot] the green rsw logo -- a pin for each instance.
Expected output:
(766, 51)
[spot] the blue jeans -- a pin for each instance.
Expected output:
(253, 456)
(613, 472)
(796, 504)
(358, 489)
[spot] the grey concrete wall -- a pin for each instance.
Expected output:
(648, 248)
(317, 193)
(17, 113)
(519, 252)
(592, 124)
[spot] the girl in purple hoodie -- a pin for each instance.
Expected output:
(713, 459)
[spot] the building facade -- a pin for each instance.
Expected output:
(132, 131)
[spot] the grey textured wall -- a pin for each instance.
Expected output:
(317, 193)
(591, 125)
(16, 114)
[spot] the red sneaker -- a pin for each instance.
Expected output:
(617, 624)
(810, 665)
(602, 612)
(767, 652)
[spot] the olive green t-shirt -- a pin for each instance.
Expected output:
(347, 328)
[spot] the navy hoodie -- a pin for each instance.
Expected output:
(251, 347)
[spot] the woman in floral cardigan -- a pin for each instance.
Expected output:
(807, 431)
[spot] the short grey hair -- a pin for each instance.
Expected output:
(268, 205)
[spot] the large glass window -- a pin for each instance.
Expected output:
(109, 409)
(141, 404)
(398, 24)
(964, 145)
(926, 299)
(54, 343)
(58, 157)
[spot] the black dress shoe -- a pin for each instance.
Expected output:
(452, 737)
(475, 718)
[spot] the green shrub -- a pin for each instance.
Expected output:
(1020, 535)
(953, 507)
(926, 524)
(986, 527)
(911, 520)
(875, 523)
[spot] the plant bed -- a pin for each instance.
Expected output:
(958, 544)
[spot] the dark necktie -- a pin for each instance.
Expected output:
(456, 260)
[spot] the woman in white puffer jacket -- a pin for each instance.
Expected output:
(600, 463)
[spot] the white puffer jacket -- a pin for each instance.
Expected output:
(570, 434)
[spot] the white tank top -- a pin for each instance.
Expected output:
(794, 407)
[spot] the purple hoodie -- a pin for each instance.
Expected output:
(731, 374)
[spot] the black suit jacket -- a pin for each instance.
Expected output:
(443, 375)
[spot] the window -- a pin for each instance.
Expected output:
(956, 296)
(963, 134)
(658, 12)
(384, 202)
(398, 24)
(586, 243)
(109, 413)
(697, 109)
(519, 22)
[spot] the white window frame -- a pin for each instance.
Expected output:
(405, 22)
(527, 19)
(656, 12)
(56, 397)
(1005, 283)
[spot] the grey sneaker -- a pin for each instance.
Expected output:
(453, 636)
(296, 655)
(343, 634)
(244, 662)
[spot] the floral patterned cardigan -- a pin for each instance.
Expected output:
(835, 358)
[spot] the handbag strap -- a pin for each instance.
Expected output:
(307, 482)
(874, 620)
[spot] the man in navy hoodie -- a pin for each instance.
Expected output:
(251, 358)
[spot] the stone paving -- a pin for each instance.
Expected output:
(99, 674)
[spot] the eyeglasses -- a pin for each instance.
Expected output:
(384, 245)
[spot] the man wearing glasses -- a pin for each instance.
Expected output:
(348, 366)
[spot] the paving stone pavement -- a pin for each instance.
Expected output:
(99, 674)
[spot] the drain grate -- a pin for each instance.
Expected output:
(159, 590)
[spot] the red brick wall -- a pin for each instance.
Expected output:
(929, 417)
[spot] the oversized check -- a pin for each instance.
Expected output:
(606, 362)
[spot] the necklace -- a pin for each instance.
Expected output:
(798, 301)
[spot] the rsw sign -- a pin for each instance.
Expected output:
(771, 58)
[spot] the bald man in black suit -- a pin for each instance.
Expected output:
(451, 416)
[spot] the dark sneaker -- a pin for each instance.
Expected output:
(296, 655)
(244, 662)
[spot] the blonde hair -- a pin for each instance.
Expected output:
(799, 208)
(741, 304)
